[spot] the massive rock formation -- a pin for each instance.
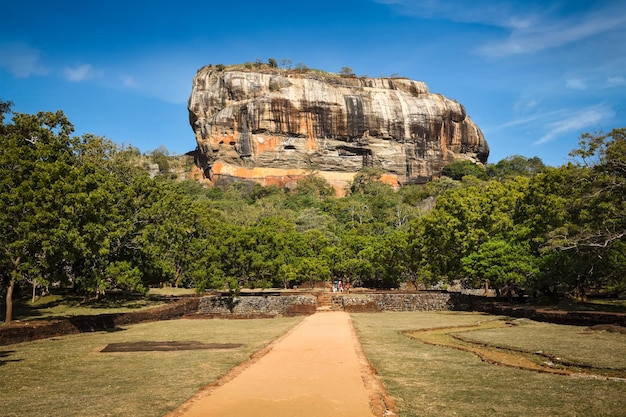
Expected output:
(274, 126)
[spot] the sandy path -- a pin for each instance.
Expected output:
(317, 369)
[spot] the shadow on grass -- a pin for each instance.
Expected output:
(599, 304)
(55, 306)
(7, 354)
(23, 309)
(104, 322)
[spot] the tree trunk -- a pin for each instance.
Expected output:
(177, 276)
(9, 310)
(9, 298)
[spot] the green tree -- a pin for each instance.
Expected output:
(350, 259)
(516, 165)
(463, 219)
(172, 224)
(35, 155)
(312, 270)
(309, 192)
(461, 168)
(577, 215)
(301, 67)
(285, 63)
(103, 196)
(601, 207)
(160, 156)
(346, 72)
(506, 265)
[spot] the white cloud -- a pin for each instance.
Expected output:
(81, 73)
(531, 28)
(21, 60)
(576, 122)
(128, 81)
(525, 104)
(615, 81)
(478, 11)
(535, 118)
(549, 32)
(576, 84)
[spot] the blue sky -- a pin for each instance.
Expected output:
(533, 75)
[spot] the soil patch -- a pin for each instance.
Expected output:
(166, 346)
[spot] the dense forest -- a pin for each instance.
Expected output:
(81, 213)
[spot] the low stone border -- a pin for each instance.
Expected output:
(420, 301)
(271, 305)
(42, 329)
(256, 306)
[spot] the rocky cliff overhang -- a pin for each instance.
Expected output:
(276, 126)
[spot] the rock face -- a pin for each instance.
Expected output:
(274, 126)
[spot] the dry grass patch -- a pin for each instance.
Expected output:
(70, 376)
(571, 344)
(502, 343)
(428, 380)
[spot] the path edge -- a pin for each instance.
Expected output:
(231, 374)
(381, 403)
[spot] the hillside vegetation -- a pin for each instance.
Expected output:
(82, 213)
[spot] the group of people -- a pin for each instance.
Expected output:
(338, 286)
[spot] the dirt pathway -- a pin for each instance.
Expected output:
(317, 369)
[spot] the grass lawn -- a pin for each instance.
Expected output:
(69, 376)
(429, 380)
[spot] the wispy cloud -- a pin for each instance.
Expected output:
(21, 60)
(576, 84)
(525, 104)
(550, 31)
(615, 81)
(538, 117)
(488, 12)
(576, 122)
(81, 73)
(531, 28)
(128, 81)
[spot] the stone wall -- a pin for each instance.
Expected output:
(421, 301)
(257, 306)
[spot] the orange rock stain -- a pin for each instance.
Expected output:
(287, 177)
